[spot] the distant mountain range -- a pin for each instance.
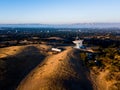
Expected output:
(75, 25)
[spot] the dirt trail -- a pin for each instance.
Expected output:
(63, 71)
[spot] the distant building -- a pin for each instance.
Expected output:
(56, 49)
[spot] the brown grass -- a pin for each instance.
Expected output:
(63, 71)
(19, 61)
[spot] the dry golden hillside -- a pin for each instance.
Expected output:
(35, 67)
(17, 62)
(63, 71)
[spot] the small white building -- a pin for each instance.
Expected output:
(56, 49)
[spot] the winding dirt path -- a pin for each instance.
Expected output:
(63, 71)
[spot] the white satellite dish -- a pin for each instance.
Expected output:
(79, 43)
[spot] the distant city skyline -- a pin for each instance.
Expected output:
(59, 11)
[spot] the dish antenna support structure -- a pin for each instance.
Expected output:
(79, 43)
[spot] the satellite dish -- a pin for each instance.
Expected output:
(78, 42)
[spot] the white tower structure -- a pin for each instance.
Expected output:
(79, 43)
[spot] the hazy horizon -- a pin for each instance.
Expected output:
(65, 23)
(74, 25)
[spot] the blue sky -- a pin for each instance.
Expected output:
(59, 11)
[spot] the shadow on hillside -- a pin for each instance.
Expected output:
(18, 66)
(80, 81)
